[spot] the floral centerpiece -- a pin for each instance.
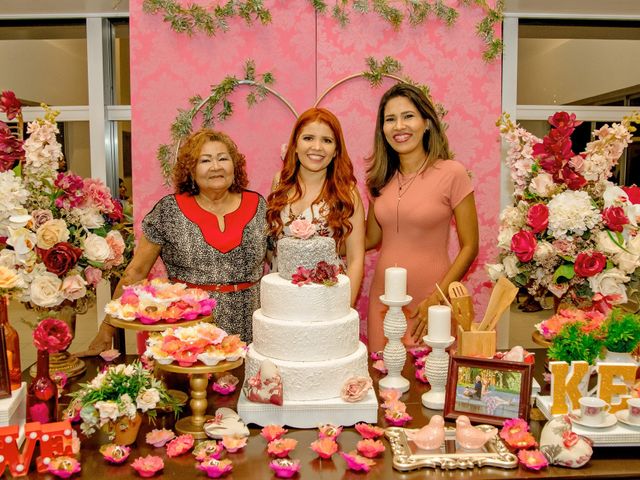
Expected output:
(570, 230)
(60, 234)
(152, 301)
(120, 392)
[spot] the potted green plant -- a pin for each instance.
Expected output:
(621, 334)
(574, 342)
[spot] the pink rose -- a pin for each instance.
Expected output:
(614, 218)
(52, 335)
(355, 389)
(589, 264)
(116, 245)
(523, 244)
(74, 287)
(542, 184)
(302, 229)
(40, 217)
(93, 275)
(538, 217)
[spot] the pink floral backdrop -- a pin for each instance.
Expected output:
(307, 54)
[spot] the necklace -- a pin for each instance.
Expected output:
(404, 188)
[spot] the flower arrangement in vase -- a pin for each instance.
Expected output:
(570, 230)
(115, 398)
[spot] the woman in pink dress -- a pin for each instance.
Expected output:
(416, 190)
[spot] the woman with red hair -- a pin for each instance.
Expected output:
(317, 183)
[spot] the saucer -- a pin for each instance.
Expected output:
(609, 420)
(623, 416)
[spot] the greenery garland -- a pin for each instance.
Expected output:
(194, 17)
(219, 94)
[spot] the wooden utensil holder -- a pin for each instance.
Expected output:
(476, 343)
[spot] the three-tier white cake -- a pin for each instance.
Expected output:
(310, 332)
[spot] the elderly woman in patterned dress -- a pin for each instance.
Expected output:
(210, 234)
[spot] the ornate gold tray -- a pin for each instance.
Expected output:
(407, 456)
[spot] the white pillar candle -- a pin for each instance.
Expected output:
(439, 323)
(395, 283)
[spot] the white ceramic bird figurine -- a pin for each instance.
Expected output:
(471, 437)
(430, 436)
(516, 354)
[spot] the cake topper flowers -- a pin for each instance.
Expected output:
(302, 228)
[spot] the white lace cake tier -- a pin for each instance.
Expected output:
(305, 341)
(283, 300)
(296, 252)
(312, 380)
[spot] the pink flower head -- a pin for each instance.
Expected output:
(147, 466)
(272, 432)
(302, 276)
(63, 467)
(355, 389)
(233, 443)
(369, 431)
(226, 384)
(532, 459)
(110, 355)
(420, 352)
(302, 228)
(324, 447)
(92, 275)
(328, 430)
(357, 463)
(421, 375)
(284, 467)
(208, 449)
(379, 366)
(180, 445)
(98, 195)
(397, 418)
(115, 454)
(522, 440)
(564, 121)
(376, 355)
(9, 104)
(215, 468)
(61, 380)
(52, 335)
(512, 428)
(11, 150)
(370, 448)
(281, 447)
(159, 438)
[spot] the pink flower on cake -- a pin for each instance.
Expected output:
(532, 459)
(328, 430)
(233, 443)
(355, 389)
(215, 468)
(208, 449)
(284, 467)
(356, 462)
(147, 466)
(180, 445)
(370, 448)
(302, 228)
(324, 447)
(272, 432)
(369, 431)
(159, 438)
(281, 447)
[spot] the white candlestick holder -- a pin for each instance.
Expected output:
(395, 355)
(436, 368)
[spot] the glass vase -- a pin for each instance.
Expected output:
(13, 345)
(42, 394)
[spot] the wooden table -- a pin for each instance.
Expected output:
(252, 462)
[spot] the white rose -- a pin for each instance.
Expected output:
(46, 290)
(108, 410)
(544, 251)
(510, 263)
(74, 287)
(8, 278)
(605, 243)
(8, 258)
(627, 262)
(542, 184)
(634, 245)
(22, 240)
(495, 271)
(148, 399)
(633, 213)
(504, 238)
(96, 248)
(610, 282)
(128, 407)
(52, 232)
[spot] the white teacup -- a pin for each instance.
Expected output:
(593, 410)
(634, 410)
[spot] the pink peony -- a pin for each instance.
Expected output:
(180, 445)
(281, 447)
(272, 432)
(324, 447)
(159, 438)
(284, 467)
(147, 466)
(357, 463)
(355, 389)
(52, 335)
(302, 228)
(369, 431)
(532, 459)
(117, 246)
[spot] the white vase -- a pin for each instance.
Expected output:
(618, 357)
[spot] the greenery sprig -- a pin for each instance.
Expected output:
(622, 331)
(572, 343)
(196, 18)
(218, 97)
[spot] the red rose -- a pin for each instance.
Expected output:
(60, 258)
(9, 104)
(523, 244)
(589, 264)
(614, 218)
(538, 217)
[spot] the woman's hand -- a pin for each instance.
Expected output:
(420, 315)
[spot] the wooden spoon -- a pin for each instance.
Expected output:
(461, 305)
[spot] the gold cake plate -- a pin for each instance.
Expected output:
(407, 456)
(154, 327)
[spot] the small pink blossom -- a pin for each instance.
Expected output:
(233, 443)
(208, 449)
(376, 355)
(370, 448)
(421, 375)
(532, 459)
(93, 275)
(420, 352)
(147, 466)
(355, 389)
(180, 445)
(369, 431)
(63, 467)
(215, 468)
(115, 454)
(379, 366)
(324, 447)
(225, 385)
(284, 467)
(356, 462)
(110, 355)
(397, 418)
(281, 447)
(159, 438)
(512, 428)
(272, 432)
(328, 430)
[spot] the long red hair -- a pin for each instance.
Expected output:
(337, 192)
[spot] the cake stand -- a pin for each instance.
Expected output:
(198, 382)
(154, 327)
